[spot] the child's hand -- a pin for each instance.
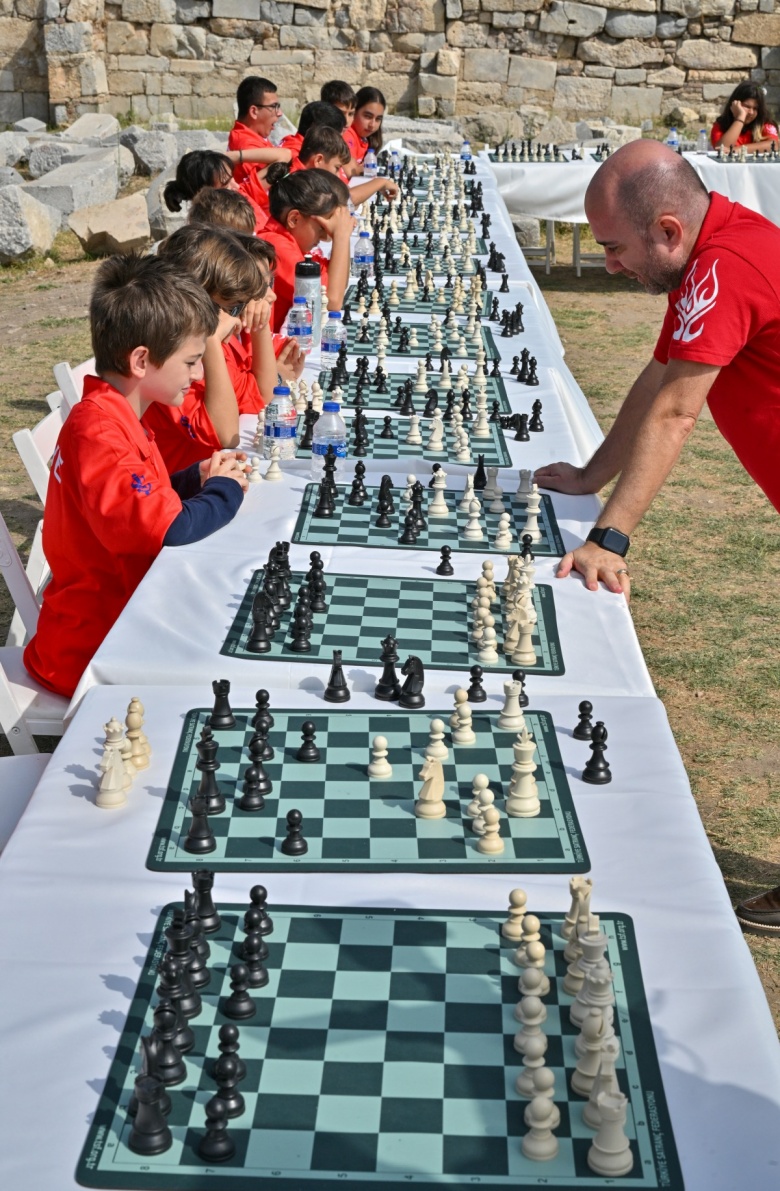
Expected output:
(337, 225)
(256, 315)
(291, 361)
(390, 188)
(226, 327)
(232, 464)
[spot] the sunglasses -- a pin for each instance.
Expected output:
(234, 311)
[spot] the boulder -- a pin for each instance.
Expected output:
(14, 147)
(9, 177)
(557, 132)
(29, 124)
(119, 226)
(154, 151)
(119, 155)
(424, 136)
(491, 127)
(93, 129)
(26, 225)
(80, 184)
(528, 232)
(198, 138)
(715, 55)
(49, 155)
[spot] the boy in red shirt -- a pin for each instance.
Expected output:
(259, 110)
(313, 115)
(111, 506)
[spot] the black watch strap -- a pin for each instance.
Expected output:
(610, 539)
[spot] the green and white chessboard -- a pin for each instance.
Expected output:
(430, 618)
(354, 525)
(380, 1055)
(416, 306)
(351, 821)
(496, 391)
(494, 448)
(417, 245)
(461, 346)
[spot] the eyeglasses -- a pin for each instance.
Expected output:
(271, 107)
(234, 311)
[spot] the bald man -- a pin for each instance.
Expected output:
(720, 343)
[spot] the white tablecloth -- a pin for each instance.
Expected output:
(546, 190)
(80, 908)
(754, 184)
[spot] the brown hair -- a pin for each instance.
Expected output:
(195, 170)
(222, 208)
(216, 260)
(312, 192)
(324, 140)
(143, 301)
(261, 250)
(337, 91)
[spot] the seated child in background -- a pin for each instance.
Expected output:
(313, 114)
(204, 169)
(230, 210)
(324, 149)
(307, 207)
(259, 110)
(208, 417)
(340, 94)
(365, 131)
(111, 505)
(744, 121)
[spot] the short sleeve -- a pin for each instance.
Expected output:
(770, 130)
(716, 134)
(717, 309)
(661, 352)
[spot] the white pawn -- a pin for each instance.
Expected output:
(512, 929)
(410, 483)
(543, 1080)
(274, 471)
(414, 437)
(534, 1051)
(478, 786)
(437, 749)
(488, 654)
(610, 1154)
(462, 731)
(497, 504)
(486, 799)
(490, 842)
(134, 720)
(510, 718)
(531, 934)
(535, 954)
(379, 766)
(413, 340)
(473, 531)
(503, 539)
(136, 707)
(255, 475)
(540, 1144)
(257, 441)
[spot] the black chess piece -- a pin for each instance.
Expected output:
(532, 379)
(150, 1134)
(411, 695)
(383, 521)
(253, 952)
(172, 993)
(495, 370)
(200, 838)
(221, 715)
(294, 844)
(200, 951)
(203, 883)
(431, 403)
(388, 688)
(258, 909)
(149, 1050)
(584, 726)
(519, 676)
(476, 692)
(207, 765)
(445, 567)
(597, 771)
(239, 1005)
(480, 475)
(252, 789)
(262, 718)
(217, 1145)
(536, 424)
(170, 1067)
(260, 638)
(495, 413)
(418, 495)
(229, 1038)
(226, 1076)
(308, 750)
(522, 434)
(337, 690)
(527, 553)
(325, 507)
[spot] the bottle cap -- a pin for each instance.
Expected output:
(334, 314)
(281, 391)
(367, 234)
(300, 298)
(308, 268)
(330, 407)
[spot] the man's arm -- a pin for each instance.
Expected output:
(657, 444)
(611, 456)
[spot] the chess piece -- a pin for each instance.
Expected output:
(445, 567)
(239, 1005)
(388, 688)
(308, 750)
(430, 800)
(597, 771)
(437, 749)
(512, 929)
(476, 691)
(490, 842)
(216, 1145)
(584, 727)
(337, 690)
(379, 766)
(150, 1134)
(610, 1155)
(462, 730)
(294, 844)
(540, 1144)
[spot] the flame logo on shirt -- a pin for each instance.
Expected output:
(694, 302)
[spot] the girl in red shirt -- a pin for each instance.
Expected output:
(202, 168)
(745, 121)
(365, 131)
(307, 207)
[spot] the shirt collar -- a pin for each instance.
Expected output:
(99, 392)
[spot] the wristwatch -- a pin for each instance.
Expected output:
(610, 539)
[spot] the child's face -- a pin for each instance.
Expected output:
(320, 162)
(367, 120)
(169, 383)
(263, 116)
(347, 108)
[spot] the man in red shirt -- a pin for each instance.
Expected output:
(720, 265)
(259, 110)
(111, 506)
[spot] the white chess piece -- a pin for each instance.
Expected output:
(511, 718)
(462, 731)
(479, 784)
(255, 475)
(610, 1154)
(436, 435)
(430, 800)
(437, 749)
(512, 928)
(522, 800)
(490, 842)
(414, 437)
(468, 495)
(379, 766)
(134, 720)
(473, 530)
(503, 539)
(488, 654)
(274, 471)
(540, 1143)
(486, 800)
(438, 506)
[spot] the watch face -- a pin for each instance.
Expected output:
(614, 540)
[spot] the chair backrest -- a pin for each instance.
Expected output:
(38, 572)
(71, 380)
(16, 578)
(36, 447)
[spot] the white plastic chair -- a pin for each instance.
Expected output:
(26, 709)
(18, 581)
(37, 573)
(54, 400)
(36, 447)
(71, 380)
(19, 777)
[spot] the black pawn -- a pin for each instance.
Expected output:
(294, 844)
(221, 715)
(476, 692)
(383, 520)
(519, 676)
(253, 953)
(597, 771)
(409, 535)
(357, 494)
(258, 896)
(337, 690)
(308, 750)
(387, 429)
(169, 1065)
(239, 1004)
(251, 792)
(445, 567)
(262, 714)
(228, 1045)
(200, 837)
(150, 1134)
(203, 883)
(584, 728)
(527, 553)
(227, 1079)
(217, 1145)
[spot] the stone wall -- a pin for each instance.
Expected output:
(633, 60)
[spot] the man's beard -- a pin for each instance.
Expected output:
(662, 277)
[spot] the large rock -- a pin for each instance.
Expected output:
(10, 177)
(81, 184)
(630, 24)
(557, 131)
(199, 138)
(624, 54)
(94, 128)
(715, 55)
(49, 155)
(759, 28)
(573, 20)
(528, 231)
(424, 136)
(120, 226)
(154, 151)
(578, 96)
(29, 124)
(491, 126)
(695, 9)
(14, 147)
(121, 157)
(26, 225)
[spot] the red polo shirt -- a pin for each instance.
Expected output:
(727, 313)
(293, 142)
(246, 173)
(288, 254)
(184, 435)
(357, 146)
(744, 138)
(109, 506)
(238, 357)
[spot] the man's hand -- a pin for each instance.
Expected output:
(225, 463)
(563, 477)
(291, 361)
(594, 564)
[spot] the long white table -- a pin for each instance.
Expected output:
(80, 908)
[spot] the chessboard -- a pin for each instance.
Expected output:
(495, 390)
(417, 306)
(354, 525)
(417, 243)
(430, 618)
(352, 821)
(378, 1053)
(460, 345)
(494, 448)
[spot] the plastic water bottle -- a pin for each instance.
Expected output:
(673, 140)
(299, 324)
(308, 285)
(369, 164)
(363, 256)
(465, 151)
(334, 333)
(329, 431)
(703, 143)
(395, 163)
(281, 424)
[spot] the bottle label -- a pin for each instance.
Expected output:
(321, 448)
(331, 345)
(279, 430)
